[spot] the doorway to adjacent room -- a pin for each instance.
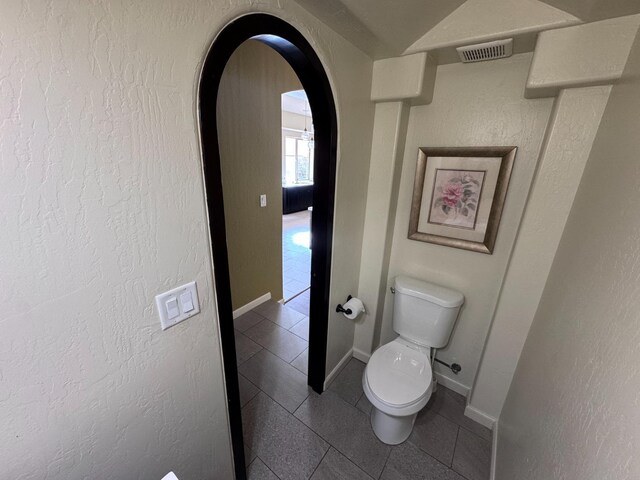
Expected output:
(296, 50)
(297, 198)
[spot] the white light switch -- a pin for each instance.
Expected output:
(186, 301)
(263, 200)
(172, 308)
(177, 305)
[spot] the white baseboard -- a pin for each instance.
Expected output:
(494, 451)
(251, 305)
(338, 368)
(477, 416)
(360, 355)
(452, 384)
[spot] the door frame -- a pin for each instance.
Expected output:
(297, 51)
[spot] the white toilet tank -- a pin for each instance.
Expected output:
(423, 312)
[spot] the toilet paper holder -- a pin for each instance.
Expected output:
(341, 309)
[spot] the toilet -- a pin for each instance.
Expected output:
(398, 380)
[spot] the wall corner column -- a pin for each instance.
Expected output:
(580, 76)
(397, 84)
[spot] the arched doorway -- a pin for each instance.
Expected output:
(295, 49)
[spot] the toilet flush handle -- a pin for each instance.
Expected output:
(393, 290)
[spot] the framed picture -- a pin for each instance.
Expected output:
(458, 196)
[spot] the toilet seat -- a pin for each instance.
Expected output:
(398, 379)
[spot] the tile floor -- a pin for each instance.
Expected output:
(293, 433)
(296, 255)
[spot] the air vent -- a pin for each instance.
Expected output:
(486, 51)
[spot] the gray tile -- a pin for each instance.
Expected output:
(302, 362)
(301, 329)
(305, 268)
(247, 390)
(282, 382)
(408, 462)
(435, 435)
(264, 307)
(346, 428)
(300, 276)
(301, 262)
(348, 383)
(259, 471)
(473, 456)
(297, 271)
(280, 314)
(306, 295)
(299, 304)
(293, 288)
(247, 320)
(249, 455)
(364, 404)
(277, 340)
(285, 445)
(451, 405)
(245, 348)
(335, 466)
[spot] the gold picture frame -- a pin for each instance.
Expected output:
(459, 194)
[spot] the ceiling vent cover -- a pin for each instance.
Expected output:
(486, 51)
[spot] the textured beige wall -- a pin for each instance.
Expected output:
(355, 126)
(409, 78)
(249, 131)
(389, 134)
(103, 208)
(570, 136)
(580, 56)
(572, 409)
(473, 105)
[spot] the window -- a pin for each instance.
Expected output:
(298, 161)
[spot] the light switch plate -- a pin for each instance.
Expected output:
(179, 296)
(263, 200)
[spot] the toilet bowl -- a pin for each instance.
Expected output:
(398, 383)
(398, 380)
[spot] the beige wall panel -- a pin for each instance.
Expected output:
(570, 135)
(580, 56)
(572, 409)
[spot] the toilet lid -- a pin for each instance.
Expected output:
(398, 375)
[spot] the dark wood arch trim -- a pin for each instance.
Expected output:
(297, 51)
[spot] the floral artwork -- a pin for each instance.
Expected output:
(455, 197)
(459, 194)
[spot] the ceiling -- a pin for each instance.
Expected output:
(381, 28)
(386, 28)
(296, 102)
(593, 10)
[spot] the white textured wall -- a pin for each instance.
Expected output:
(477, 104)
(570, 135)
(408, 78)
(102, 208)
(581, 55)
(387, 152)
(352, 71)
(572, 409)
